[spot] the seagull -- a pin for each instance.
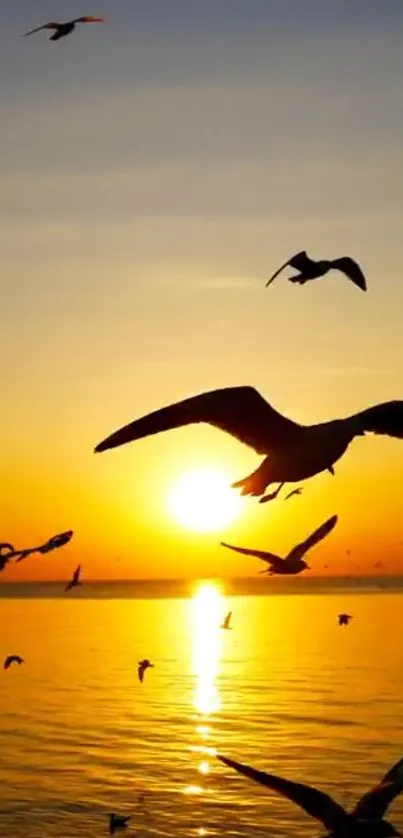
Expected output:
(294, 492)
(75, 581)
(312, 269)
(63, 29)
(118, 822)
(12, 659)
(6, 553)
(295, 452)
(52, 544)
(141, 668)
(271, 495)
(293, 562)
(226, 622)
(366, 819)
(344, 619)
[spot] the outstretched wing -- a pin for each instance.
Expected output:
(375, 802)
(322, 531)
(88, 19)
(76, 574)
(239, 411)
(50, 25)
(386, 418)
(316, 803)
(351, 269)
(270, 558)
(300, 262)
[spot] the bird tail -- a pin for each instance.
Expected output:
(256, 483)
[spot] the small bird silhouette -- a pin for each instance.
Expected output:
(141, 668)
(366, 819)
(118, 822)
(12, 659)
(344, 619)
(293, 563)
(53, 543)
(271, 495)
(294, 492)
(311, 269)
(6, 553)
(63, 29)
(295, 452)
(75, 581)
(226, 622)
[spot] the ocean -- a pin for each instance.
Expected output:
(287, 690)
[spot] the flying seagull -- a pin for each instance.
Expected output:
(12, 659)
(141, 668)
(75, 581)
(271, 495)
(295, 451)
(344, 619)
(63, 29)
(118, 822)
(53, 543)
(6, 553)
(366, 819)
(293, 562)
(294, 492)
(312, 269)
(226, 622)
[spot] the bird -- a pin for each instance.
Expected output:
(118, 822)
(226, 622)
(12, 659)
(141, 668)
(294, 452)
(365, 820)
(75, 581)
(294, 492)
(293, 562)
(7, 552)
(344, 619)
(53, 543)
(271, 495)
(314, 269)
(63, 29)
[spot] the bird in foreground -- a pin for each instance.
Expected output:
(60, 30)
(141, 668)
(6, 553)
(12, 659)
(118, 822)
(294, 492)
(344, 619)
(226, 622)
(293, 562)
(294, 452)
(53, 543)
(75, 581)
(313, 269)
(366, 819)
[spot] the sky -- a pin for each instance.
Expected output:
(155, 171)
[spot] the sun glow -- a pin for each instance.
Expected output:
(207, 607)
(203, 500)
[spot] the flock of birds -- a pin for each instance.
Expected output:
(292, 453)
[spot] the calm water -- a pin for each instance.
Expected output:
(286, 690)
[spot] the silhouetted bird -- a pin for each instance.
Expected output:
(378, 564)
(53, 543)
(118, 822)
(294, 492)
(311, 269)
(226, 622)
(63, 29)
(141, 668)
(12, 659)
(366, 819)
(6, 553)
(271, 495)
(296, 452)
(293, 563)
(75, 581)
(344, 619)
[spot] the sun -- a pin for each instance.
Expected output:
(203, 500)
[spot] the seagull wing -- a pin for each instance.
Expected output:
(374, 803)
(227, 619)
(140, 672)
(322, 531)
(314, 802)
(88, 19)
(386, 418)
(50, 25)
(239, 411)
(351, 269)
(76, 574)
(270, 558)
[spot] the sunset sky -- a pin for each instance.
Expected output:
(155, 171)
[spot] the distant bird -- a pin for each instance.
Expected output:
(294, 492)
(344, 619)
(118, 822)
(53, 543)
(296, 452)
(366, 819)
(226, 622)
(271, 495)
(75, 581)
(63, 29)
(6, 553)
(293, 563)
(12, 659)
(312, 269)
(378, 564)
(141, 668)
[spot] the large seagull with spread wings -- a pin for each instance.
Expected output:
(60, 30)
